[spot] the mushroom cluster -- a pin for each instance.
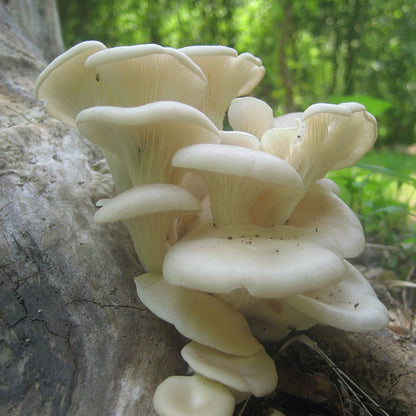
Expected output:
(241, 236)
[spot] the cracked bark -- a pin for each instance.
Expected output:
(74, 338)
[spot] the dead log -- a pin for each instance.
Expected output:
(382, 363)
(74, 339)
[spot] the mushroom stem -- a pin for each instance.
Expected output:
(148, 211)
(151, 238)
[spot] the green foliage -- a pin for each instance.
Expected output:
(313, 50)
(382, 191)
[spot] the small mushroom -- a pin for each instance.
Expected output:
(229, 75)
(350, 305)
(329, 137)
(268, 262)
(255, 374)
(236, 177)
(197, 315)
(191, 396)
(148, 212)
(146, 137)
(251, 115)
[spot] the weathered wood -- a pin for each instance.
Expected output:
(74, 338)
(381, 363)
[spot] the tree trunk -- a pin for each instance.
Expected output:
(39, 21)
(285, 72)
(74, 339)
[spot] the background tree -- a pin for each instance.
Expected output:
(314, 50)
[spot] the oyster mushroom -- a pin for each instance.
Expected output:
(321, 210)
(253, 374)
(197, 315)
(67, 86)
(140, 74)
(251, 115)
(229, 75)
(350, 305)
(328, 137)
(145, 138)
(236, 177)
(272, 262)
(148, 212)
(126, 76)
(192, 395)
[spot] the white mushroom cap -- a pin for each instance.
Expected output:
(139, 74)
(329, 137)
(67, 86)
(269, 263)
(350, 305)
(146, 137)
(126, 76)
(345, 139)
(148, 212)
(254, 373)
(197, 315)
(251, 115)
(192, 396)
(229, 75)
(236, 177)
(323, 211)
(279, 141)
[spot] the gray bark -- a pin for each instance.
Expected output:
(39, 21)
(74, 338)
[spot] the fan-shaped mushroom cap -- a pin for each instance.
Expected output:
(229, 75)
(323, 211)
(269, 263)
(197, 315)
(146, 137)
(139, 74)
(329, 137)
(350, 305)
(148, 212)
(67, 86)
(236, 177)
(254, 373)
(126, 76)
(251, 115)
(191, 396)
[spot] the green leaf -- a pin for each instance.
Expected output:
(388, 172)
